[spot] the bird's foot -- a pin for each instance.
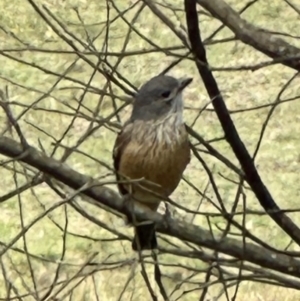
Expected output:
(167, 215)
(128, 207)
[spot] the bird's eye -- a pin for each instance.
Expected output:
(166, 94)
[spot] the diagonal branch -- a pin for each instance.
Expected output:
(231, 134)
(249, 34)
(184, 231)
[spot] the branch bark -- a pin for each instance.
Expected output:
(251, 174)
(249, 34)
(191, 233)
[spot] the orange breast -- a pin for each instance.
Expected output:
(159, 157)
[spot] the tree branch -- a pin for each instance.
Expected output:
(191, 233)
(249, 34)
(231, 134)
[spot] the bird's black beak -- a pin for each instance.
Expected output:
(184, 82)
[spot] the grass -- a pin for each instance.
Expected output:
(47, 120)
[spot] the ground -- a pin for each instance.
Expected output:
(49, 104)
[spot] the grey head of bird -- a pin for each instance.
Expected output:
(159, 97)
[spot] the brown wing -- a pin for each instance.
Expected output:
(122, 140)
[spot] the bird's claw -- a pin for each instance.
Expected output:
(128, 208)
(167, 215)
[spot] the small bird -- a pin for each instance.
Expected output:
(153, 144)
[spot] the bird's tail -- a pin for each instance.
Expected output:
(145, 238)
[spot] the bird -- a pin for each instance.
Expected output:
(152, 145)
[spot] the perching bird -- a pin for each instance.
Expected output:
(153, 145)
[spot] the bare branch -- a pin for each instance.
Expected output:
(249, 34)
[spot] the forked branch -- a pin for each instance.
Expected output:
(251, 174)
(173, 227)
